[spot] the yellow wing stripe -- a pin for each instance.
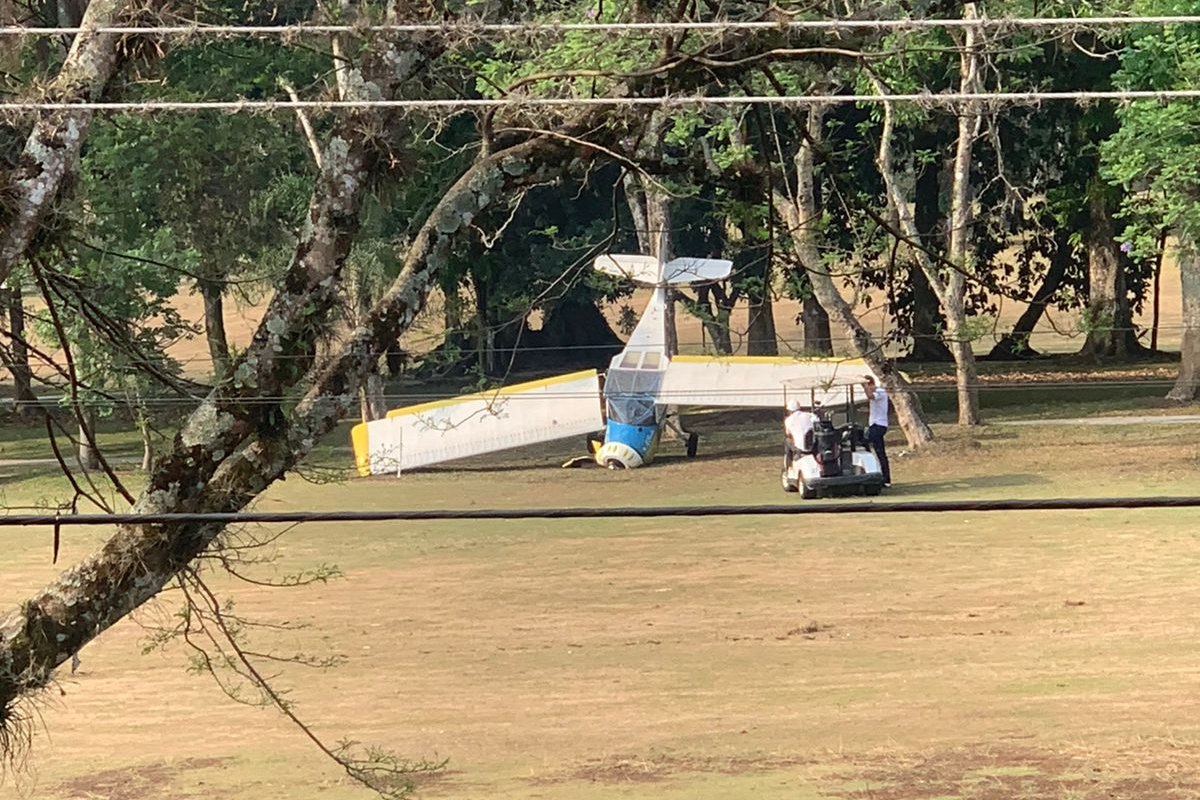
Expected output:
(490, 394)
(852, 362)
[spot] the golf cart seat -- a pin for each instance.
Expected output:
(855, 437)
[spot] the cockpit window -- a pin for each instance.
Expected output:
(630, 394)
(630, 360)
(651, 360)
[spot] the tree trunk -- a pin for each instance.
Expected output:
(214, 328)
(969, 121)
(926, 324)
(24, 399)
(635, 198)
(485, 336)
(372, 405)
(1015, 343)
(147, 440)
(966, 376)
(1187, 385)
(1158, 262)
(717, 310)
(718, 332)
(1104, 339)
(57, 136)
(800, 216)
(452, 312)
(88, 458)
(760, 332)
(761, 339)
(650, 208)
(11, 57)
(658, 231)
(952, 292)
(818, 340)
(69, 13)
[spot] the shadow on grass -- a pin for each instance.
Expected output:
(975, 482)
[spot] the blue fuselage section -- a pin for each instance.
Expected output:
(641, 438)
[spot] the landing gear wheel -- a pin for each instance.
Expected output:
(693, 441)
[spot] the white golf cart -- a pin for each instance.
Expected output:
(834, 460)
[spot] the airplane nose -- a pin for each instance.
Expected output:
(617, 455)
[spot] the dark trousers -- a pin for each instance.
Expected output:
(875, 437)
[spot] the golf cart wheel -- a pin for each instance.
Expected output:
(873, 490)
(788, 486)
(808, 493)
(693, 441)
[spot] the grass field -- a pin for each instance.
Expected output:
(899, 657)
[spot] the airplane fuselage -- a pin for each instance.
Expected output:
(627, 446)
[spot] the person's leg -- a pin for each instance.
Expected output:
(875, 435)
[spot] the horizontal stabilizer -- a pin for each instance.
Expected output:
(763, 382)
(484, 422)
(649, 271)
(640, 269)
(687, 271)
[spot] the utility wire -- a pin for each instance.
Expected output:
(785, 341)
(629, 512)
(498, 396)
(922, 98)
(607, 27)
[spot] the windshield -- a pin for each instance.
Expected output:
(630, 394)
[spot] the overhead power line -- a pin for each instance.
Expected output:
(498, 395)
(608, 27)
(630, 512)
(921, 98)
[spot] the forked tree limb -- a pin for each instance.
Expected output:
(137, 562)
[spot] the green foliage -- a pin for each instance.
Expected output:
(502, 64)
(228, 187)
(117, 318)
(1153, 155)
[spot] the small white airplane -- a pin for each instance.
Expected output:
(631, 408)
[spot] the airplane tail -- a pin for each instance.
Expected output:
(649, 271)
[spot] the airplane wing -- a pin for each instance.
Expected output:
(757, 381)
(484, 422)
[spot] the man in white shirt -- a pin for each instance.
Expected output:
(797, 425)
(877, 419)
